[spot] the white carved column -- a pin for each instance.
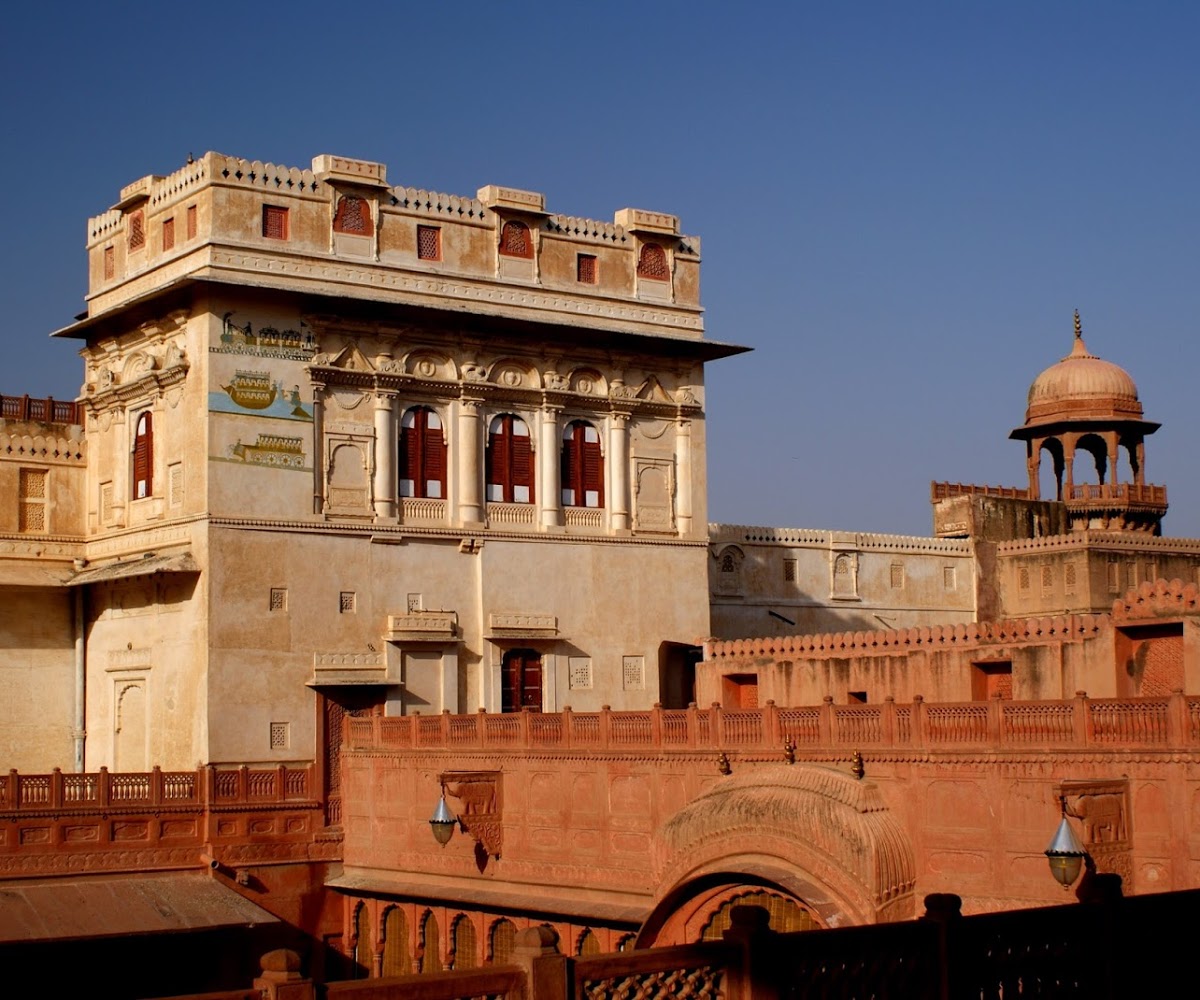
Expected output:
(618, 470)
(470, 462)
(549, 484)
(318, 458)
(385, 454)
(683, 475)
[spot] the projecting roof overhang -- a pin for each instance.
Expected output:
(63, 909)
(543, 899)
(144, 566)
(24, 574)
(363, 306)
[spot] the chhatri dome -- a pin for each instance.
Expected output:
(1082, 386)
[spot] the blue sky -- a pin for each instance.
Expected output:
(901, 204)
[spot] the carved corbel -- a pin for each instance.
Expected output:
(474, 797)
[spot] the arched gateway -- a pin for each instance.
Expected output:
(816, 838)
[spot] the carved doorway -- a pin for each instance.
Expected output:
(340, 704)
(521, 680)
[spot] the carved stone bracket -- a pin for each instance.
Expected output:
(1102, 807)
(474, 797)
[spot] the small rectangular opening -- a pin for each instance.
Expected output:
(990, 679)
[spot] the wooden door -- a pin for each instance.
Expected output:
(521, 680)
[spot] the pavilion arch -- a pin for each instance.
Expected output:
(810, 833)
(1053, 447)
(1094, 446)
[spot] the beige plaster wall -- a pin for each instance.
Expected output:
(843, 581)
(37, 676)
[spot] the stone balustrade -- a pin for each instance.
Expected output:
(997, 724)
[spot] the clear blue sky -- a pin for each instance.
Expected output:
(901, 203)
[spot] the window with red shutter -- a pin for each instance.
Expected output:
(582, 466)
(422, 454)
(509, 461)
(143, 458)
(275, 222)
(652, 263)
(515, 240)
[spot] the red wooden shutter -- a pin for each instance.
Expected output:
(570, 464)
(498, 459)
(435, 458)
(522, 464)
(143, 458)
(593, 472)
(409, 451)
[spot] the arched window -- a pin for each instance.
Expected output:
(516, 240)
(582, 466)
(353, 216)
(509, 461)
(652, 262)
(588, 945)
(431, 945)
(143, 457)
(462, 939)
(364, 945)
(503, 939)
(396, 959)
(422, 454)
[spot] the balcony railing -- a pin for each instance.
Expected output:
(1146, 494)
(46, 411)
(1172, 721)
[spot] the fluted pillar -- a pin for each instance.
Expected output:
(470, 462)
(683, 476)
(318, 458)
(385, 454)
(618, 471)
(549, 484)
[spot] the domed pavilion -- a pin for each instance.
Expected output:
(1086, 404)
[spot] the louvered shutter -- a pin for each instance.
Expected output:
(522, 468)
(570, 452)
(435, 462)
(409, 463)
(593, 474)
(143, 458)
(498, 487)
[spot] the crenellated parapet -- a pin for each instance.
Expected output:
(1159, 599)
(900, 641)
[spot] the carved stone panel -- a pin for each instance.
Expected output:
(1103, 810)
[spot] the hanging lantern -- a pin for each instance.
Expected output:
(1065, 854)
(442, 822)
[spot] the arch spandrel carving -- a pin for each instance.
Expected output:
(817, 832)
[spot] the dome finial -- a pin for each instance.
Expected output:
(1078, 347)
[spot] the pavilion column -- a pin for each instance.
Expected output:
(318, 461)
(1114, 456)
(549, 484)
(470, 462)
(618, 465)
(1033, 463)
(385, 454)
(683, 475)
(1139, 474)
(1068, 441)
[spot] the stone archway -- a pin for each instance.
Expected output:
(814, 834)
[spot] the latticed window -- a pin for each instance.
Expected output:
(106, 503)
(582, 466)
(192, 224)
(137, 230)
(429, 243)
(516, 240)
(396, 958)
(353, 216)
(652, 262)
(431, 944)
(31, 511)
(585, 268)
(422, 454)
(789, 571)
(503, 940)
(110, 263)
(280, 735)
(509, 461)
(168, 234)
(463, 942)
(347, 602)
(278, 601)
(143, 457)
(275, 222)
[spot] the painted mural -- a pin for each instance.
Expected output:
(293, 343)
(272, 450)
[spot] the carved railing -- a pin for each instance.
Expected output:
(510, 513)
(1106, 723)
(1139, 493)
(46, 411)
(421, 509)
(104, 789)
(943, 491)
(583, 517)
